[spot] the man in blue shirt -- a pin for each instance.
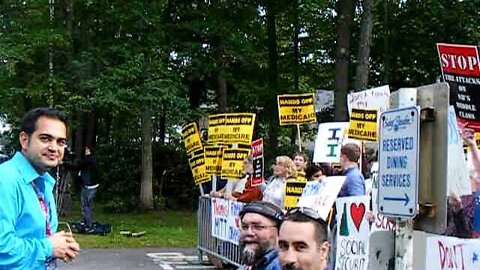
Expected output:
(258, 236)
(28, 216)
(354, 183)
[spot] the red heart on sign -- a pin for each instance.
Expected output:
(357, 213)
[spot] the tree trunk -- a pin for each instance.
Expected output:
(221, 80)
(363, 55)
(345, 10)
(90, 129)
(386, 46)
(146, 188)
(296, 64)
(296, 49)
(162, 129)
(271, 107)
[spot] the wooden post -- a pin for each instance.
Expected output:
(299, 138)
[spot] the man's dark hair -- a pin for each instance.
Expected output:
(30, 119)
(352, 151)
(314, 168)
(321, 227)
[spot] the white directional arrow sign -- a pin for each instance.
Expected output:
(398, 162)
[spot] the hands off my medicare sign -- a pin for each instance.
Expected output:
(296, 109)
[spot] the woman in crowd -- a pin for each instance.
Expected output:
(249, 193)
(274, 190)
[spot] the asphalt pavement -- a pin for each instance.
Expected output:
(142, 258)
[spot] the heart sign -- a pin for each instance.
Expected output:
(357, 213)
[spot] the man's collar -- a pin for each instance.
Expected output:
(267, 258)
(27, 171)
(351, 167)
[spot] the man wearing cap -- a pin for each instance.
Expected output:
(303, 241)
(258, 236)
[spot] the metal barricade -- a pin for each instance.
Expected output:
(223, 250)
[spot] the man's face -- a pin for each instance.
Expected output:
(299, 249)
(343, 160)
(46, 146)
(300, 163)
(258, 234)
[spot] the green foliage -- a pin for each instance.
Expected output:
(113, 58)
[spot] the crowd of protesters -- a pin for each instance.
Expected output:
(272, 238)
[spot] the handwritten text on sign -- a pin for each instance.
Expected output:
(226, 220)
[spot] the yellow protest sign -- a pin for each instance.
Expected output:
(296, 109)
(213, 159)
(216, 126)
(232, 163)
(197, 165)
(231, 128)
(239, 127)
(191, 137)
(363, 125)
(293, 191)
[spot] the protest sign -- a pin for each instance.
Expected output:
(461, 70)
(296, 109)
(213, 159)
(381, 222)
(329, 141)
(293, 191)
(216, 127)
(324, 100)
(321, 195)
(445, 252)
(232, 163)
(258, 162)
(197, 165)
(363, 125)
(231, 128)
(226, 220)
(191, 137)
(239, 128)
(458, 179)
(375, 98)
(352, 233)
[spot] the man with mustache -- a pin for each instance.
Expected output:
(303, 240)
(28, 216)
(258, 236)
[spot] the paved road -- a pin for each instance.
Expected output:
(151, 259)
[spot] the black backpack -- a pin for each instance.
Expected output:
(96, 229)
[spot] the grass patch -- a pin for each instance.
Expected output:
(163, 229)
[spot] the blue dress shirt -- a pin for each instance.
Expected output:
(23, 239)
(354, 183)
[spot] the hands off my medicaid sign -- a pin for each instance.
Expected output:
(191, 137)
(398, 162)
(296, 109)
